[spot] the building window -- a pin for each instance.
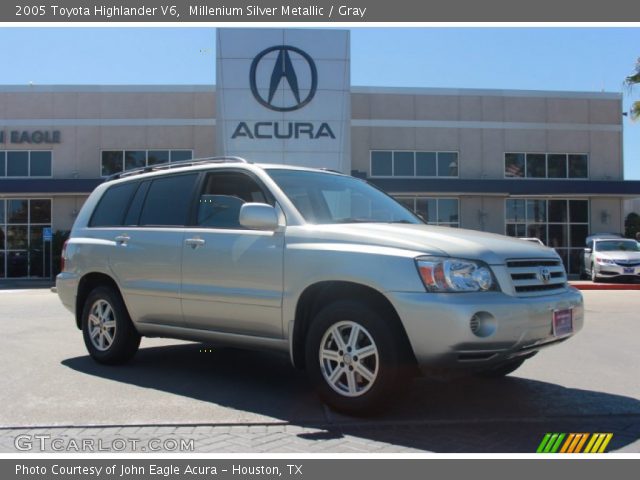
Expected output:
(546, 165)
(22, 250)
(434, 211)
(560, 224)
(413, 164)
(25, 163)
(117, 161)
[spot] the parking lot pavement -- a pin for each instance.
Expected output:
(228, 400)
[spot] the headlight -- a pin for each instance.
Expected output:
(605, 261)
(443, 274)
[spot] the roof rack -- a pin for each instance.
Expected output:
(183, 163)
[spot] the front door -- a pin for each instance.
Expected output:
(231, 277)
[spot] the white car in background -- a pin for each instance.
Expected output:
(611, 257)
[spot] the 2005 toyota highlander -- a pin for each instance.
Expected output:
(356, 288)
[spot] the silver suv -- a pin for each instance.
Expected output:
(352, 285)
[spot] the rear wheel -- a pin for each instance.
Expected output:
(503, 369)
(108, 333)
(355, 358)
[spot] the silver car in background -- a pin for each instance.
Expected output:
(354, 287)
(611, 257)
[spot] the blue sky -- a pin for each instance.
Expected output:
(583, 59)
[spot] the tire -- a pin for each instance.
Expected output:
(502, 370)
(594, 275)
(108, 332)
(359, 385)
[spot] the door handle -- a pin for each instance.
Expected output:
(195, 242)
(122, 239)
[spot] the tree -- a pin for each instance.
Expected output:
(632, 225)
(630, 81)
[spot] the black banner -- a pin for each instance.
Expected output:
(179, 11)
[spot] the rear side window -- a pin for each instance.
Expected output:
(168, 201)
(113, 205)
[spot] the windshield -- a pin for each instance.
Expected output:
(327, 198)
(618, 246)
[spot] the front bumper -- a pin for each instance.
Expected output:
(439, 326)
(608, 270)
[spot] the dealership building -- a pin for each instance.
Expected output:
(544, 164)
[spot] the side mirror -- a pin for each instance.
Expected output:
(258, 216)
(587, 250)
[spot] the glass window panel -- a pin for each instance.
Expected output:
(113, 205)
(426, 164)
(40, 211)
(181, 155)
(447, 164)
(515, 210)
(578, 166)
(579, 211)
(511, 229)
(407, 202)
(155, 157)
(381, 165)
(579, 233)
(536, 165)
(17, 264)
(576, 257)
(134, 159)
(558, 211)
(514, 165)
(2, 255)
(403, 164)
(135, 207)
(536, 211)
(112, 162)
(557, 166)
(1, 211)
(17, 237)
(564, 257)
(538, 231)
(3, 170)
(2, 238)
(17, 164)
(521, 230)
(428, 209)
(36, 252)
(168, 201)
(558, 236)
(17, 211)
(40, 164)
(447, 210)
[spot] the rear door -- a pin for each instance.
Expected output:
(231, 277)
(148, 248)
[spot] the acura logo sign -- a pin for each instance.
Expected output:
(284, 72)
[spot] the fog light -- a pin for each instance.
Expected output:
(483, 324)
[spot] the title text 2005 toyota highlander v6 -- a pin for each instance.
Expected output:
(356, 288)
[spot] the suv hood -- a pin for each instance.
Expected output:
(431, 240)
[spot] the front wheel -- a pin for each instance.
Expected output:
(355, 358)
(594, 275)
(108, 332)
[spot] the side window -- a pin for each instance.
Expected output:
(223, 195)
(168, 200)
(113, 205)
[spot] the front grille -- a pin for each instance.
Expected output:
(528, 279)
(627, 263)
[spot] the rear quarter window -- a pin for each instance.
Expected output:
(113, 205)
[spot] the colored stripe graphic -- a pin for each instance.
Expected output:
(574, 443)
